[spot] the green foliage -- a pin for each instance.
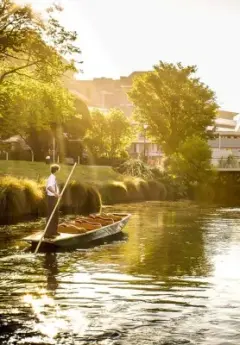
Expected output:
(43, 110)
(96, 140)
(110, 134)
(113, 192)
(93, 202)
(226, 188)
(135, 167)
(191, 163)
(38, 111)
(81, 198)
(135, 192)
(33, 67)
(74, 198)
(157, 190)
(176, 188)
(77, 125)
(175, 104)
(33, 47)
(120, 132)
(18, 197)
(28, 104)
(12, 197)
(203, 193)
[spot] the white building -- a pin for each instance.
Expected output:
(227, 137)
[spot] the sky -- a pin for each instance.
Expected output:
(118, 37)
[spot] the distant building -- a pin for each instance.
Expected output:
(107, 93)
(227, 137)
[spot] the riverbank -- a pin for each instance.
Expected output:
(22, 193)
(39, 170)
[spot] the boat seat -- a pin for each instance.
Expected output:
(87, 225)
(69, 228)
(112, 216)
(102, 221)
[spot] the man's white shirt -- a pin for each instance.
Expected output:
(52, 182)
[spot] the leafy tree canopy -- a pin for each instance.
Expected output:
(110, 134)
(174, 104)
(34, 47)
(192, 162)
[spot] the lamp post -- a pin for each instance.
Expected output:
(54, 149)
(144, 143)
(54, 134)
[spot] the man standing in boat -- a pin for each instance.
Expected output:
(52, 197)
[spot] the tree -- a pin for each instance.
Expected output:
(77, 126)
(110, 134)
(174, 104)
(34, 110)
(192, 162)
(30, 104)
(97, 139)
(120, 132)
(32, 47)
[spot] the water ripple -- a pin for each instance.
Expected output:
(174, 281)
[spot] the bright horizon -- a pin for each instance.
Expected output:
(122, 36)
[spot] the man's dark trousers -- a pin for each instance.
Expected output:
(53, 226)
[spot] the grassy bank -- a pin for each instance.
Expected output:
(37, 170)
(20, 198)
(22, 191)
(113, 187)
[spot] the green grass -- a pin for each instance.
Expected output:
(38, 170)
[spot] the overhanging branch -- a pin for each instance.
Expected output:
(14, 70)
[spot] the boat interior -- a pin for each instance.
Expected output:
(83, 224)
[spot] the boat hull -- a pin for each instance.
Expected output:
(68, 241)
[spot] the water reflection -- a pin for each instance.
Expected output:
(51, 267)
(42, 304)
(173, 281)
(172, 244)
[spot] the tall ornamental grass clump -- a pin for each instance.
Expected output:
(132, 190)
(81, 198)
(20, 198)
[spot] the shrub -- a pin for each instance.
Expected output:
(74, 197)
(135, 192)
(203, 193)
(12, 198)
(132, 191)
(136, 168)
(144, 187)
(176, 188)
(93, 203)
(22, 197)
(34, 195)
(157, 190)
(192, 161)
(113, 192)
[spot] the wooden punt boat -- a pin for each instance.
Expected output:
(82, 232)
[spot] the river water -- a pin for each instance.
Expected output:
(175, 279)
